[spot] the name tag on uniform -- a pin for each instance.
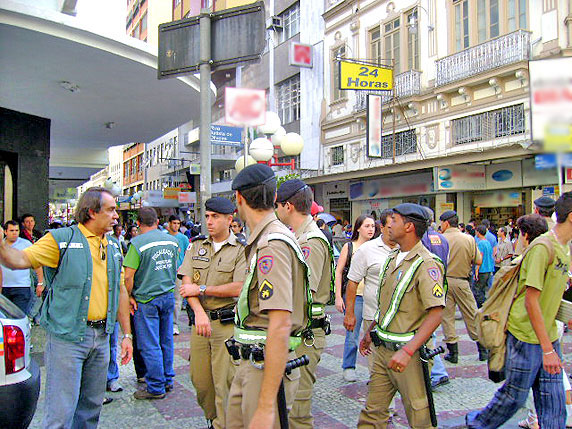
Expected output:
(63, 245)
(201, 258)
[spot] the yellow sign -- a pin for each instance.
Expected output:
(365, 77)
(171, 193)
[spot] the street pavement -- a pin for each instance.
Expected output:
(336, 403)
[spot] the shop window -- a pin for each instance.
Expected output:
(405, 143)
(338, 155)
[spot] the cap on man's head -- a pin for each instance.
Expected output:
(252, 176)
(288, 189)
(412, 211)
(316, 208)
(544, 202)
(220, 205)
(447, 215)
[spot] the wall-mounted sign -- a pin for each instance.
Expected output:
(498, 199)
(460, 177)
(502, 176)
(361, 76)
(336, 190)
(389, 187)
(245, 107)
(300, 54)
(374, 128)
(531, 176)
(171, 193)
(187, 197)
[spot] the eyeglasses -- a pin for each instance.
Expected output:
(101, 251)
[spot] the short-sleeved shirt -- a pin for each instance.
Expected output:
(45, 252)
(183, 246)
(17, 278)
(462, 253)
(550, 280)
(488, 264)
(278, 278)
(425, 291)
(365, 266)
(491, 239)
(504, 249)
(437, 244)
(205, 266)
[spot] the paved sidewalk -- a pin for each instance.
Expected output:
(336, 403)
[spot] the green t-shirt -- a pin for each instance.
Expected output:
(550, 280)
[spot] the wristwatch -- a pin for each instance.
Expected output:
(127, 336)
(202, 290)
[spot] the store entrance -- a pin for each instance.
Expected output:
(498, 216)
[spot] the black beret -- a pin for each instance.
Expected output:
(288, 189)
(544, 202)
(412, 211)
(220, 205)
(447, 215)
(252, 176)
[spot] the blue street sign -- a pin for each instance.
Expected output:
(222, 134)
(545, 161)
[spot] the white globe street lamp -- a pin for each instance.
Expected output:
(278, 136)
(292, 144)
(239, 164)
(261, 149)
(272, 123)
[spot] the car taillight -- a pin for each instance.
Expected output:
(14, 349)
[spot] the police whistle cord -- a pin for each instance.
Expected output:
(426, 354)
(282, 408)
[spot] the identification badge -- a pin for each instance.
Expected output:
(202, 251)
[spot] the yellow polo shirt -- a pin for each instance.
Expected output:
(45, 252)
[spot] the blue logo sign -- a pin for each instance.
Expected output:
(502, 175)
(545, 161)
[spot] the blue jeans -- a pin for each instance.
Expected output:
(438, 371)
(524, 371)
(113, 368)
(137, 359)
(352, 338)
(154, 330)
(75, 380)
(20, 296)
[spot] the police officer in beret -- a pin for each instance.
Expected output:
(293, 206)
(410, 304)
(544, 206)
(213, 272)
(272, 309)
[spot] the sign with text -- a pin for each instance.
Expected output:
(244, 106)
(187, 197)
(389, 187)
(300, 54)
(374, 129)
(224, 134)
(363, 77)
(171, 193)
(461, 177)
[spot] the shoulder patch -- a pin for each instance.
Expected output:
(265, 264)
(202, 251)
(306, 251)
(434, 273)
(437, 291)
(265, 290)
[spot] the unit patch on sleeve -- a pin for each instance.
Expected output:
(196, 276)
(437, 291)
(434, 273)
(265, 264)
(202, 251)
(306, 252)
(265, 290)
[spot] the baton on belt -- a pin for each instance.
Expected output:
(425, 354)
(282, 408)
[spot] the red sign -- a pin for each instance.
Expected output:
(245, 107)
(300, 54)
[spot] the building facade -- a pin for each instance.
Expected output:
(133, 168)
(144, 17)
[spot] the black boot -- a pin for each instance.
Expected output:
(453, 355)
(483, 353)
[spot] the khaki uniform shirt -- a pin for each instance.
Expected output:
(462, 253)
(425, 290)
(204, 266)
(317, 256)
(278, 278)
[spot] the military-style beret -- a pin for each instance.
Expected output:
(288, 189)
(447, 215)
(544, 202)
(220, 205)
(252, 176)
(412, 211)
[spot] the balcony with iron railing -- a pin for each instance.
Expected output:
(406, 84)
(498, 52)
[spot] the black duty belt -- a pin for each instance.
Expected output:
(251, 350)
(223, 314)
(318, 323)
(97, 324)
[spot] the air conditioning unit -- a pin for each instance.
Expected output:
(275, 23)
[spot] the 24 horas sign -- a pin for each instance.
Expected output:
(362, 76)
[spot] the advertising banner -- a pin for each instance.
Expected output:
(389, 187)
(502, 176)
(461, 177)
(374, 128)
(355, 75)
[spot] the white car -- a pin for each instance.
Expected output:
(19, 374)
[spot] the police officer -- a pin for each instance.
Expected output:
(294, 203)
(544, 206)
(272, 309)
(463, 253)
(213, 272)
(410, 302)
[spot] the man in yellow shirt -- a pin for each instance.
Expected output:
(84, 299)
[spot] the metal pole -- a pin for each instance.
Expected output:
(206, 106)
(393, 105)
(560, 181)
(245, 146)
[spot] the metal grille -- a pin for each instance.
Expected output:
(405, 143)
(503, 122)
(338, 155)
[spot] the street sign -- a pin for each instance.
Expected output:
(360, 76)
(245, 107)
(300, 55)
(237, 35)
(226, 135)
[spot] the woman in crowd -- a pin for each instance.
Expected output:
(363, 231)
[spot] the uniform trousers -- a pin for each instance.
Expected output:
(383, 385)
(212, 370)
(245, 390)
(301, 414)
(459, 293)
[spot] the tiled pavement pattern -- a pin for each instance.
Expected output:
(336, 403)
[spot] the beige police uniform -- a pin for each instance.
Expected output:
(210, 364)
(277, 284)
(317, 256)
(462, 254)
(424, 291)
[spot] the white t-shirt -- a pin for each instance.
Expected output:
(400, 257)
(17, 278)
(218, 246)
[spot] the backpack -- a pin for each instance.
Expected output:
(346, 269)
(492, 317)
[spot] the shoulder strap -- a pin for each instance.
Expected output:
(322, 237)
(350, 252)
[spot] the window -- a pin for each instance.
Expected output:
(288, 99)
(337, 54)
(487, 19)
(391, 43)
(503, 122)
(338, 155)
(143, 23)
(177, 3)
(412, 44)
(375, 45)
(461, 24)
(290, 22)
(405, 143)
(516, 13)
